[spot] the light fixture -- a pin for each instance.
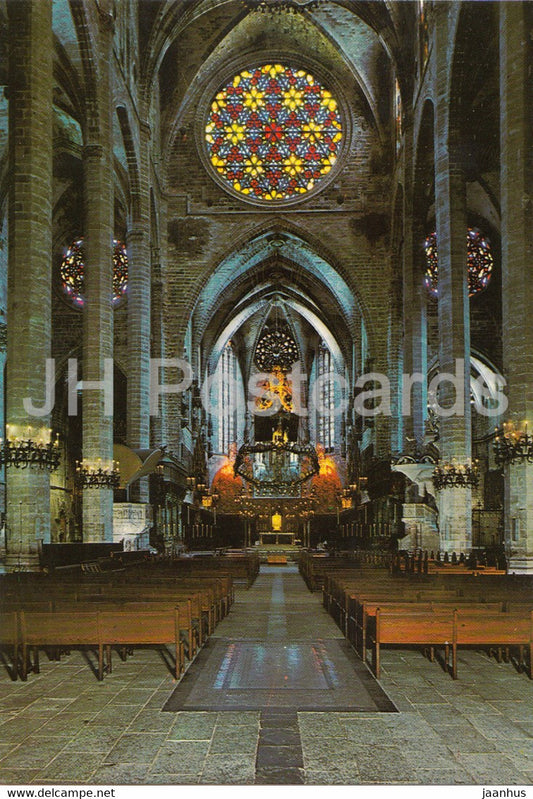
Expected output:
(98, 474)
(308, 462)
(455, 475)
(292, 6)
(27, 446)
(346, 499)
(512, 445)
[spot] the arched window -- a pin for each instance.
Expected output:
(479, 257)
(326, 399)
(398, 114)
(273, 132)
(227, 399)
(73, 272)
(423, 33)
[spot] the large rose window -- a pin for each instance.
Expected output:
(273, 132)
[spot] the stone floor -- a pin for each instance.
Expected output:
(62, 726)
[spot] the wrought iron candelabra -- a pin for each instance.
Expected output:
(512, 445)
(290, 6)
(98, 475)
(455, 475)
(308, 462)
(30, 448)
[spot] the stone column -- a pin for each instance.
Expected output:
(156, 326)
(455, 504)
(29, 266)
(414, 307)
(98, 308)
(516, 67)
(139, 317)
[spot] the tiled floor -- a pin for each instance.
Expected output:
(62, 726)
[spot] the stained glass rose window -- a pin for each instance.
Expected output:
(479, 258)
(273, 132)
(73, 268)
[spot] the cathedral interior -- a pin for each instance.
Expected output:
(265, 315)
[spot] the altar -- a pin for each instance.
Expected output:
(277, 537)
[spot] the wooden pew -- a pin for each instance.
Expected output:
(103, 629)
(363, 610)
(192, 624)
(143, 628)
(451, 629)
(58, 629)
(10, 639)
(215, 595)
(498, 630)
(433, 629)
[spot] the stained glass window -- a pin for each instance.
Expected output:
(277, 390)
(276, 349)
(398, 114)
(480, 263)
(73, 269)
(326, 405)
(273, 132)
(423, 33)
(227, 398)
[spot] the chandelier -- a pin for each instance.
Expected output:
(98, 474)
(292, 6)
(455, 475)
(511, 445)
(309, 466)
(32, 448)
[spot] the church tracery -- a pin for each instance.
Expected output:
(480, 263)
(72, 272)
(276, 349)
(273, 132)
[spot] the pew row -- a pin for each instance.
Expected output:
(100, 630)
(450, 630)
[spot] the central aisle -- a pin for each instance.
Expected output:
(278, 652)
(278, 648)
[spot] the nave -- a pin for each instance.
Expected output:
(241, 720)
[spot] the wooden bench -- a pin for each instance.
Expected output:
(451, 629)
(416, 628)
(57, 629)
(211, 597)
(277, 560)
(497, 630)
(143, 628)
(10, 639)
(102, 629)
(363, 610)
